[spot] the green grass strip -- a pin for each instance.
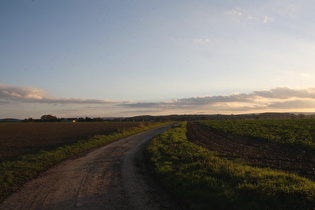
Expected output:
(13, 174)
(201, 180)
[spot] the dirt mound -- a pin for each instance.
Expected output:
(254, 152)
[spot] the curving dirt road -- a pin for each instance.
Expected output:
(110, 177)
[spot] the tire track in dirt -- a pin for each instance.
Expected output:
(254, 152)
(111, 177)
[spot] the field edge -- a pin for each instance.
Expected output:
(201, 180)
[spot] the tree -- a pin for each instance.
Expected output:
(29, 119)
(98, 119)
(49, 118)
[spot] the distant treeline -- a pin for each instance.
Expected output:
(218, 117)
(51, 118)
(149, 118)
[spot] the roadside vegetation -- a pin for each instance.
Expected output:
(16, 172)
(294, 132)
(202, 180)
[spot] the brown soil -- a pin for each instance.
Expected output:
(111, 177)
(253, 151)
(17, 139)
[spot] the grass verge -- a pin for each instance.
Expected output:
(13, 174)
(201, 180)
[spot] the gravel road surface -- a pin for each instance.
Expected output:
(111, 177)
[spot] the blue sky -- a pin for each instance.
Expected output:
(125, 58)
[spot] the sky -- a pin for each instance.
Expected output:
(102, 58)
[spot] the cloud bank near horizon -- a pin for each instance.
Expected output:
(10, 93)
(281, 99)
(277, 98)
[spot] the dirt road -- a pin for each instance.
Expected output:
(110, 177)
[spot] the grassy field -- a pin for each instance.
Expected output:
(15, 172)
(295, 132)
(202, 180)
(18, 139)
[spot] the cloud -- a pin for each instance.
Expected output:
(17, 92)
(285, 93)
(36, 95)
(201, 41)
(234, 12)
(142, 112)
(238, 13)
(268, 19)
(277, 98)
(293, 104)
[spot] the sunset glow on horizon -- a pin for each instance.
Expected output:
(98, 58)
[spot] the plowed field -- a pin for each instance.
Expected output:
(18, 139)
(253, 151)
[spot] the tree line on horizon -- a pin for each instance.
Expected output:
(52, 118)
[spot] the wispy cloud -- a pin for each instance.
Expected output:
(268, 19)
(201, 40)
(294, 104)
(238, 13)
(277, 98)
(234, 12)
(285, 93)
(36, 95)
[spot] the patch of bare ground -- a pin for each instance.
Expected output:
(254, 152)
